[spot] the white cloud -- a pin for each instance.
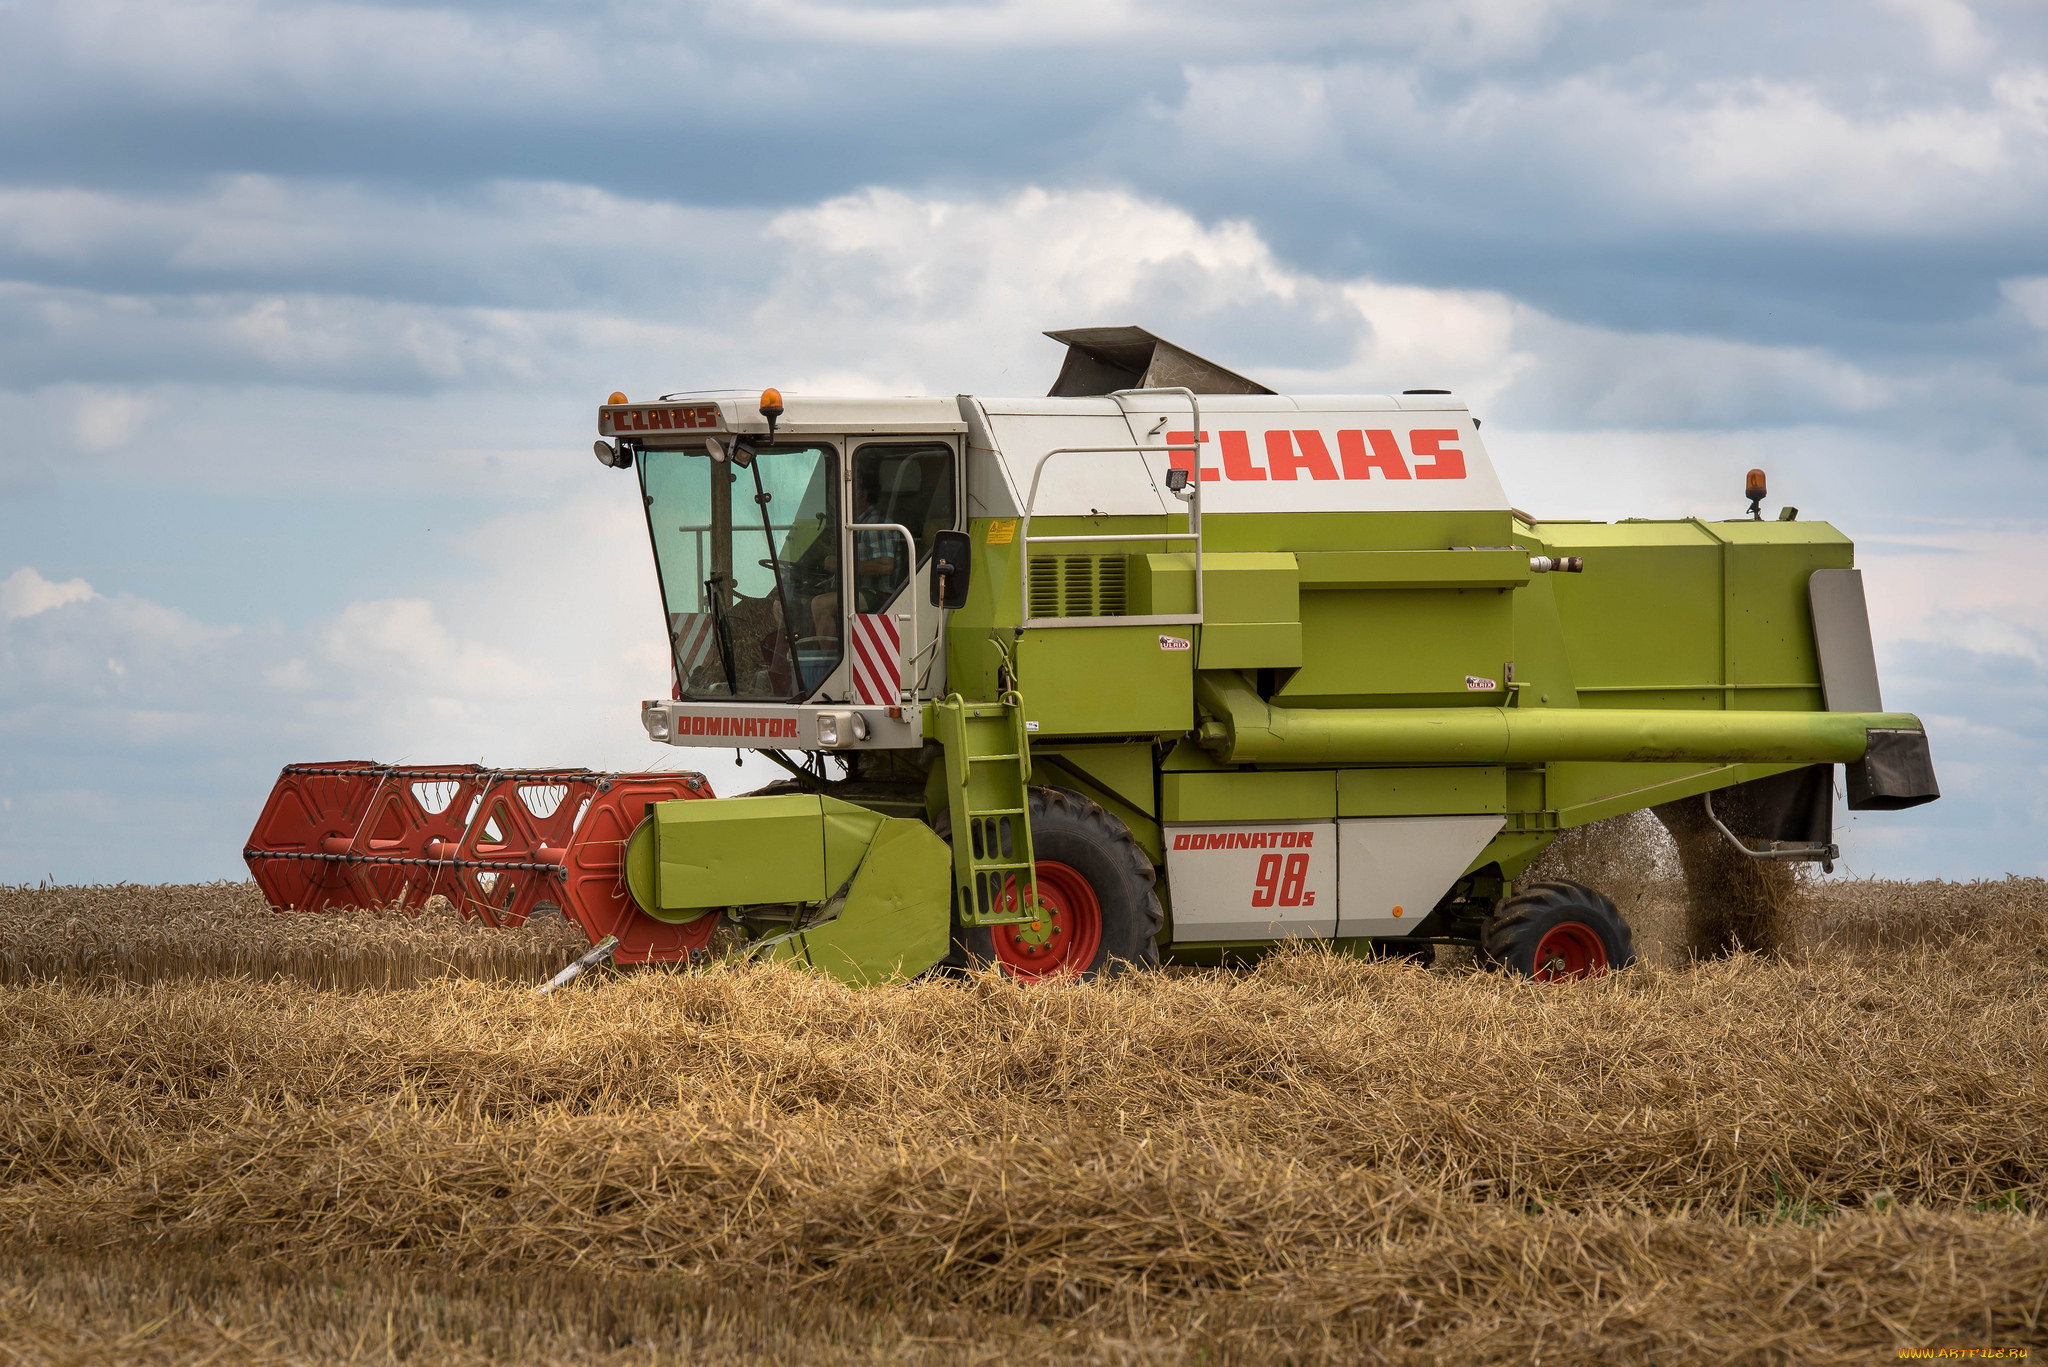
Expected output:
(917, 286)
(337, 55)
(2029, 295)
(25, 593)
(1734, 154)
(1950, 29)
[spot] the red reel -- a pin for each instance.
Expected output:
(596, 884)
(499, 843)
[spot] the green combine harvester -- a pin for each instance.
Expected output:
(1165, 666)
(1161, 667)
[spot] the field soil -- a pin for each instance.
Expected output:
(235, 1137)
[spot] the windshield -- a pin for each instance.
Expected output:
(749, 566)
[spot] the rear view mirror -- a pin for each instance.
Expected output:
(950, 552)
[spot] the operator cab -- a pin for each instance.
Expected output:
(792, 554)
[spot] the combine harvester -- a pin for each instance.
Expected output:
(1163, 665)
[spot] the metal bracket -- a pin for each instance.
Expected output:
(1783, 851)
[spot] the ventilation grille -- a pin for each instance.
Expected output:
(1077, 586)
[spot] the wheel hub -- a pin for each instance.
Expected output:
(1066, 933)
(1570, 950)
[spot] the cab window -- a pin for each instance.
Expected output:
(910, 484)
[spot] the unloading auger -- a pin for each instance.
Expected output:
(1162, 666)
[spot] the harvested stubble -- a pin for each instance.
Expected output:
(142, 934)
(1814, 1159)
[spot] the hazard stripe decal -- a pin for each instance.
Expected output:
(877, 659)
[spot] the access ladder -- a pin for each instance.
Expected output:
(988, 765)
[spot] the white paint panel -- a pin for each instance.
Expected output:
(1259, 880)
(1409, 862)
(1116, 485)
(1264, 454)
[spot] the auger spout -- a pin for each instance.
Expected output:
(1246, 729)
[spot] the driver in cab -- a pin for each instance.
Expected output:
(874, 560)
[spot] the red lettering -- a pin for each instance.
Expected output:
(1184, 460)
(1237, 457)
(1314, 457)
(639, 420)
(1385, 455)
(1293, 883)
(1267, 881)
(1449, 461)
(658, 418)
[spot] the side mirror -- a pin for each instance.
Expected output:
(950, 572)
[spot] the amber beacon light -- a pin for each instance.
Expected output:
(771, 408)
(1754, 489)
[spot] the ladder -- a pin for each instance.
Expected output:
(988, 764)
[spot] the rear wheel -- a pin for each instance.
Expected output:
(1096, 888)
(1555, 931)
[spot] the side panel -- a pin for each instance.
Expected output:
(1252, 880)
(1100, 484)
(1841, 635)
(1107, 681)
(1394, 869)
(1402, 648)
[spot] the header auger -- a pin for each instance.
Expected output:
(1161, 666)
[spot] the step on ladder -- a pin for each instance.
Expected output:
(988, 764)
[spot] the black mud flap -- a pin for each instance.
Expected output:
(1797, 807)
(1896, 772)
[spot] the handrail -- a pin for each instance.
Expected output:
(1194, 533)
(906, 661)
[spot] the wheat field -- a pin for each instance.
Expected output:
(229, 1136)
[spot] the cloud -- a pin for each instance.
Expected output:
(25, 593)
(1954, 38)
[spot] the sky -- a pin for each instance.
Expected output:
(305, 310)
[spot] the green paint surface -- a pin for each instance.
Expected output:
(1422, 792)
(896, 921)
(747, 851)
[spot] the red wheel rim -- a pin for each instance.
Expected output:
(1064, 942)
(1570, 950)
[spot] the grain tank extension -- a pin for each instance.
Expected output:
(1166, 666)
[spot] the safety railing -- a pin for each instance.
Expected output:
(909, 650)
(1194, 532)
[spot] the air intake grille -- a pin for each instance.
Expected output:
(1077, 586)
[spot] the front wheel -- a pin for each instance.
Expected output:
(1096, 888)
(1555, 931)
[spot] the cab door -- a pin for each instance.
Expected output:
(912, 483)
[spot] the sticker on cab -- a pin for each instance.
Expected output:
(1175, 643)
(1002, 531)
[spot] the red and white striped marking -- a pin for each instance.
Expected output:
(877, 659)
(695, 643)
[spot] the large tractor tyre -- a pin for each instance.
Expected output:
(1554, 931)
(1105, 915)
